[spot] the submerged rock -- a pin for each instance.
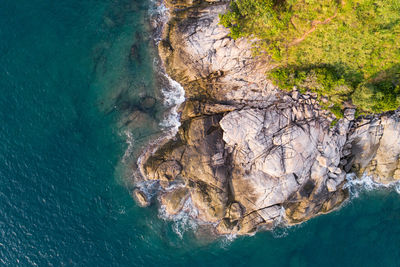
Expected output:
(147, 103)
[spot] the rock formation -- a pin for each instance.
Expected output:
(248, 155)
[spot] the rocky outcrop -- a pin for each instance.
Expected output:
(198, 53)
(374, 147)
(248, 155)
(141, 198)
(282, 161)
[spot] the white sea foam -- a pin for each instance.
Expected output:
(174, 96)
(159, 13)
(122, 210)
(397, 187)
(184, 220)
(157, 7)
(149, 187)
(226, 240)
(280, 228)
(130, 140)
(173, 92)
(366, 183)
(280, 232)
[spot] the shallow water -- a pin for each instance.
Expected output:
(69, 81)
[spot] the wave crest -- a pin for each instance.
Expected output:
(366, 183)
(174, 96)
(184, 220)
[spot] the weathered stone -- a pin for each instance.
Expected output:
(226, 227)
(335, 170)
(295, 95)
(217, 159)
(168, 170)
(340, 178)
(332, 175)
(323, 161)
(216, 108)
(210, 202)
(141, 198)
(173, 201)
(346, 152)
(270, 214)
(376, 147)
(396, 175)
(308, 112)
(250, 223)
(349, 114)
(234, 212)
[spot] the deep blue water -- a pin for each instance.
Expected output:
(64, 192)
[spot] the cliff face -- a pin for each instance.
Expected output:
(248, 155)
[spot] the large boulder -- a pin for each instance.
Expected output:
(375, 147)
(141, 198)
(275, 157)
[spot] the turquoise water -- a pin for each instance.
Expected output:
(68, 83)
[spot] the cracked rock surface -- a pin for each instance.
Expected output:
(248, 155)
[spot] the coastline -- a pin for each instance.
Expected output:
(173, 98)
(217, 101)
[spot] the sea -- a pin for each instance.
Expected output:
(80, 98)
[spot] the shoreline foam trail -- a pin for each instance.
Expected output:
(173, 99)
(173, 96)
(366, 183)
(183, 221)
(172, 91)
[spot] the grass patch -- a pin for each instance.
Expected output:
(345, 50)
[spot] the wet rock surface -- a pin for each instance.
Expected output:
(247, 155)
(141, 198)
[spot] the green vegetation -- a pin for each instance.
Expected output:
(345, 50)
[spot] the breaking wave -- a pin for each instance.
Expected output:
(174, 96)
(130, 140)
(366, 183)
(159, 15)
(184, 220)
(173, 92)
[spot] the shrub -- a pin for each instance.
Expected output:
(324, 80)
(377, 97)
